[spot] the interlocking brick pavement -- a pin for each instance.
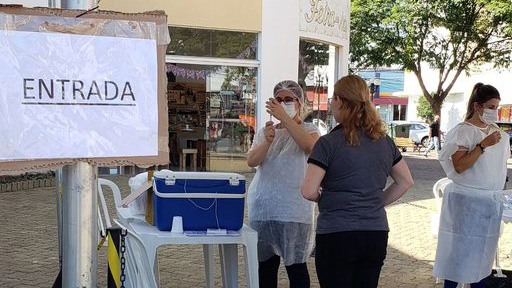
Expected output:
(29, 249)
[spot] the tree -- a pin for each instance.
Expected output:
(451, 36)
(424, 110)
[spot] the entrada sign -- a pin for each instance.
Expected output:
(77, 96)
(57, 91)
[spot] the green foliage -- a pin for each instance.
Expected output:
(424, 110)
(211, 43)
(451, 36)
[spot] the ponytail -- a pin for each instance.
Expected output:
(481, 93)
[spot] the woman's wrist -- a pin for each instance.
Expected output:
(481, 147)
(286, 121)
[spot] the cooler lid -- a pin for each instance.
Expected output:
(171, 176)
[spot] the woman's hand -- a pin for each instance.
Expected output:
(275, 109)
(270, 131)
(492, 139)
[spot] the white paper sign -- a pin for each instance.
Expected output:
(77, 96)
(325, 20)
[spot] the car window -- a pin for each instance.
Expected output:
(417, 127)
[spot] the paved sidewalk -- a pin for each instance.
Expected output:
(29, 250)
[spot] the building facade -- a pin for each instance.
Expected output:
(454, 107)
(385, 85)
(226, 56)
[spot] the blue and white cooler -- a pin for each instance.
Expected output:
(204, 200)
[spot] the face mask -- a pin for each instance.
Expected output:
(490, 116)
(290, 109)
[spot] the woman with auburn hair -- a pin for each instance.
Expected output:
(346, 175)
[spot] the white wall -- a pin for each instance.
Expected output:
(502, 80)
(279, 47)
(279, 50)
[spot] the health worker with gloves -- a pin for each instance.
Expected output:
(277, 210)
(474, 157)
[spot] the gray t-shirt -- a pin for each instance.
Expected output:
(353, 186)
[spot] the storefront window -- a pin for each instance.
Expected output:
(211, 112)
(212, 43)
(317, 66)
(399, 112)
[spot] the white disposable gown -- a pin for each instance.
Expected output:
(472, 206)
(276, 206)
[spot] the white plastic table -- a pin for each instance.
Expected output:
(228, 247)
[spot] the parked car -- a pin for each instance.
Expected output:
(417, 131)
(507, 127)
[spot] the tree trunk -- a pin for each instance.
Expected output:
(436, 107)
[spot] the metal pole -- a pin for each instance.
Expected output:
(78, 4)
(54, 3)
(80, 225)
(79, 210)
(58, 178)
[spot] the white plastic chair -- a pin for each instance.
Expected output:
(438, 190)
(152, 238)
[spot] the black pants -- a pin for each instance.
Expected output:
(350, 259)
(297, 274)
(451, 284)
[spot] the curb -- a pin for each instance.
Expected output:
(27, 185)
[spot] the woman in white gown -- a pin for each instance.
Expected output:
(474, 157)
(277, 210)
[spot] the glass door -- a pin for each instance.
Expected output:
(211, 116)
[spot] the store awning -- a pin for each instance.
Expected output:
(391, 100)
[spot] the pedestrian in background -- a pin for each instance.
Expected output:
(351, 164)
(277, 210)
(433, 135)
(474, 157)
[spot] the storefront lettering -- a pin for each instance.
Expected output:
(322, 14)
(325, 14)
(62, 89)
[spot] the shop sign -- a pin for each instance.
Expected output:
(77, 96)
(325, 20)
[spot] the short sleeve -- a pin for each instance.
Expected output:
(462, 138)
(321, 154)
(258, 138)
(397, 156)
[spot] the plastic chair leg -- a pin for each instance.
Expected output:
(229, 264)
(209, 265)
(251, 260)
(498, 273)
(151, 251)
